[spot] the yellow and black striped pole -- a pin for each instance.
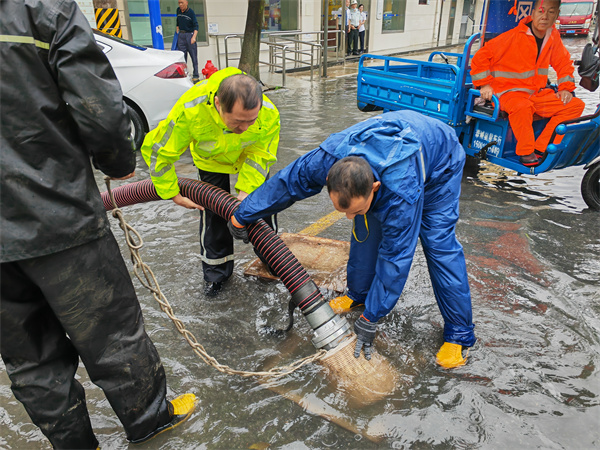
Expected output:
(107, 21)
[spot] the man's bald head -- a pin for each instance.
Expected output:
(240, 87)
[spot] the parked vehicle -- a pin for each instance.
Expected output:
(152, 81)
(444, 90)
(575, 17)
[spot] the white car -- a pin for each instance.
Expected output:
(152, 81)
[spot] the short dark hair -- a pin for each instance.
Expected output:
(537, 2)
(239, 87)
(350, 177)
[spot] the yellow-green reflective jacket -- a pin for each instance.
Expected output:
(195, 122)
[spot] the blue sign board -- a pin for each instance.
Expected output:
(498, 18)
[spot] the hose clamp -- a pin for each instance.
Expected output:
(330, 334)
(319, 316)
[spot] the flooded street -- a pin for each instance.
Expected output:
(531, 381)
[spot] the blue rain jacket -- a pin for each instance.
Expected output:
(419, 162)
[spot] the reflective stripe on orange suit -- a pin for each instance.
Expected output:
(508, 63)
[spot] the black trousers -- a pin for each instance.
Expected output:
(353, 39)
(79, 303)
(216, 243)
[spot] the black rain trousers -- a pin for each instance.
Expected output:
(216, 243)
(79, 303)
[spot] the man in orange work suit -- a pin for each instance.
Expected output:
(514, 66)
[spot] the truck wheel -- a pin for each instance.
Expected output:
(471, 168)
(590, 187)
(137, 127)
(368, 108)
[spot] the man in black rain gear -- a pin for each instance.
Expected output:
(65, 290)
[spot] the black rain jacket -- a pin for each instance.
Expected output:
(61, 104)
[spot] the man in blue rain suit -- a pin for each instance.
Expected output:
(397, 175)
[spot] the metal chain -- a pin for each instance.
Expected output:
(148, 280)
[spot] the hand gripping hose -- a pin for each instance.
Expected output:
(329, 328)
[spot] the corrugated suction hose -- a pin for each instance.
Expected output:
(329, 328)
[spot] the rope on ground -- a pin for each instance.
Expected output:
(146, 276)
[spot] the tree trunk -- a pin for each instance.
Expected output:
(251, 46)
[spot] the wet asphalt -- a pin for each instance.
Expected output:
(532, 380)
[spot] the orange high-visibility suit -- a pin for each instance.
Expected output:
(509, 63)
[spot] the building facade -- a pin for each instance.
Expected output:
(392, 26)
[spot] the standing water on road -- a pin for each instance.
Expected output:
(531, 381)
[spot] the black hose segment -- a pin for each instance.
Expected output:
(305, 293)
(282, 331)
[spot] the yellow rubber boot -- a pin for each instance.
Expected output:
(343, 304)
(450, 356)
(183, 407)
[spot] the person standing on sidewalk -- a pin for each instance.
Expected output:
(353, 24)
(361, 27)
(66, 293)
(187, 29)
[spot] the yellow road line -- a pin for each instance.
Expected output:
(323, 223)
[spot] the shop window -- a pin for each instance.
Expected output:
(281, 15)
(139, 19)
(394, 14)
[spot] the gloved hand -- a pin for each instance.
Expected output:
(238, 231)
(365, 331)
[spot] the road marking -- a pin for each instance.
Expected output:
(322, 224)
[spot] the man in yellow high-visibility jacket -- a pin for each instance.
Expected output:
(230, 127)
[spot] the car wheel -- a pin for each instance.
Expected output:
(137, 127)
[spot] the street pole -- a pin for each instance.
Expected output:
(325, 16)
(440, 26)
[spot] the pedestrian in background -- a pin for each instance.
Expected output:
(361, 27)
(353, 24)
(66, 293)
(187, 32)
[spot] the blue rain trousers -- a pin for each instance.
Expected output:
(419, 162)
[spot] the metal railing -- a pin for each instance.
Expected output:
(280, 46)
(286, 50)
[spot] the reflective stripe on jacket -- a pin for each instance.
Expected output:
(508, 62)
(195, 122)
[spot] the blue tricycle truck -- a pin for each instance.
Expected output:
(441, 87)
